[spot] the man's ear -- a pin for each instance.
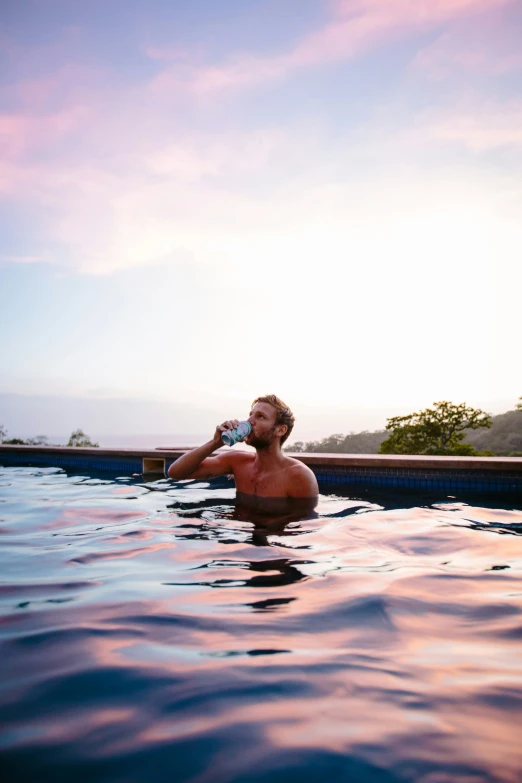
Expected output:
(281, 430)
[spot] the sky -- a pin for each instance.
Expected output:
(204, 202)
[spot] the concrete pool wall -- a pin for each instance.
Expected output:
(476, 474)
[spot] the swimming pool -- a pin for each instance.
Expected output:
(151, 633)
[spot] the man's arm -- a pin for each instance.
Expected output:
(198, 464)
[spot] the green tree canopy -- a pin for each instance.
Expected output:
(438, 430)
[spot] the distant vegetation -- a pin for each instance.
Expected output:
(444, 429)
(355, 443)
(505, 436)
(39, 440)
(436, 431)
(78, 438)
(502, 437)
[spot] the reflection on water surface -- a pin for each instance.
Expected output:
(159, 632)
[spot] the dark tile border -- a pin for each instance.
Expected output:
(478, 474)
(124, 465)
(418, 479)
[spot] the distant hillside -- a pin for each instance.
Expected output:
(503, 439)
(355, 443)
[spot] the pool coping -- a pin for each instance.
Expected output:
(421, 462)
(410, 461)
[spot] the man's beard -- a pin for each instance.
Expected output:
(264, 441)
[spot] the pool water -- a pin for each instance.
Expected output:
(151, 633)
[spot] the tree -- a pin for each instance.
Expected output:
(38, 440)
(80, 439)
(296, 447)
(437, 430)
(518, 406)
(3, 433)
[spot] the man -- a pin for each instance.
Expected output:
(266, 474)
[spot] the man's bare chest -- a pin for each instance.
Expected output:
(272, 483)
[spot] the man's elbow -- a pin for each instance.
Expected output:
(175, 473)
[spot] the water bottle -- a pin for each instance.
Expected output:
(242, 431)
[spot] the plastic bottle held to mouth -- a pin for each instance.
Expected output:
(242, 431)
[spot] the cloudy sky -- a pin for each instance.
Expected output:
(202, 202)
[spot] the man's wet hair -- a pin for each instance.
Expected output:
(284, 414)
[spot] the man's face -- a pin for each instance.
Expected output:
(263, 418)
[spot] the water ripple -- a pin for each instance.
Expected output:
(150, 633)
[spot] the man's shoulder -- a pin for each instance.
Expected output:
(303, 480)
(298, 466)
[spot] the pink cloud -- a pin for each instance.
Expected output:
(46, 110)
(480, 45)
(136, 184)
(482, 129)
(21, 133)
(415, 10)
(355, 26)
(49, 90)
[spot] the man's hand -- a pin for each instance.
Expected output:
(231, 424)
(197, 463)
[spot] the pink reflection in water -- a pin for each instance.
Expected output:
(123, 554)
(68, 517)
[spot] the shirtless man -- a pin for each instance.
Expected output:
(267, 473)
